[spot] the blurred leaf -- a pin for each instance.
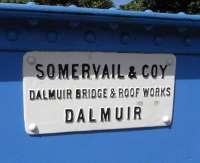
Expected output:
(170, 6)
(81, 3)
(14, 1)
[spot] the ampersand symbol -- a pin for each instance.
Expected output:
(132, 73)
(112, 93)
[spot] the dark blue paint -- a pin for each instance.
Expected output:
(180, 143)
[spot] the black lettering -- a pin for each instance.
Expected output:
(105, 93)
(154, 71)
(105, 72)
(146, 92)
(129, 113)
(157, 93)
(132, 92)
(120, 76)
(39, 96)
(162, 92)
(32, 95)
(96, 70)
(81, 116)
(63, 71)
(137, 113)
(85, 71)
(105, 115)
(137, 91)
(40, 74)
(121, 93)
(93, 93)
(91, 118)
(51, 71)
(152, 92)
(69, 94)
(69, 116)
(44, 95)
(52, 94)
(126, 92)
(113, 71)
(168, 91)
(119, 114)
(59, 94)
(144, 73)
(74, 71)
(78, 93)
(84, 93)
(163, 71)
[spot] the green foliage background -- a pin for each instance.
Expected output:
(170, 6)
(80, 3)
(14, 1)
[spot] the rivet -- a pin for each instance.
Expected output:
(90, 56)
(32, 127)
(31, 60)
(125, 38)
(156, 103)
(166, 120)
(33, 22)
(169, 62)
(74, 24)
(72, 6)
(181, 13)
(12, 36)
(182, 29)
(157, 40)
(114, 26)
(187, 41)
(90, 37)
(148, 27)
(113, 8)
(31, 3)
(148, 11)
(140, 103)
(52, 36)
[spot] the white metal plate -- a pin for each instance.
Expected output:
(84, 91)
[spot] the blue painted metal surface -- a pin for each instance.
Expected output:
(32, 27)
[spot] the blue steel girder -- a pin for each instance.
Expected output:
(32, 27)
(37, 27)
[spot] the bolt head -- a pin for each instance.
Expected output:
(12, 35)
(169, 62)
(31, 60)
(52, 36)
(158, 40)
(33, 22)
(114, 26)
(125, 38)
(148, 27)
(90, 37)
(188, 41)
(166, 120)
(32, 127)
